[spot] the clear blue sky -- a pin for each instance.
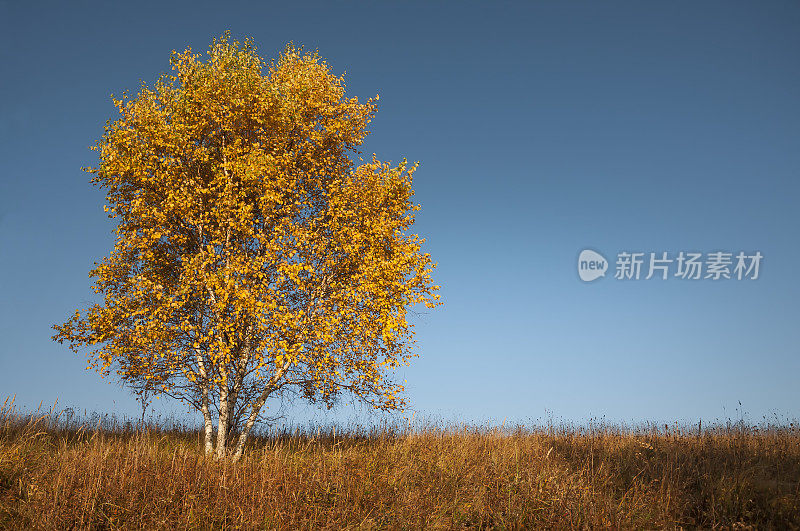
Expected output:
(542, 128)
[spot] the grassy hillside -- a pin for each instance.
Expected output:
(54, 475)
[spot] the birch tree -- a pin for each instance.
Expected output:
(255, 251)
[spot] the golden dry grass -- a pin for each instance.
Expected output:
(60, 476)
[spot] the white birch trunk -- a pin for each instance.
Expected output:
(209, 425)
(254, 411)
(222, 424)
(204, 406)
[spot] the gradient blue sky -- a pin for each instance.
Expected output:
(542, 128)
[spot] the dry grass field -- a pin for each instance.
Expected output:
(59, 475)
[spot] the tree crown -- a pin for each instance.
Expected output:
(252, 254)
